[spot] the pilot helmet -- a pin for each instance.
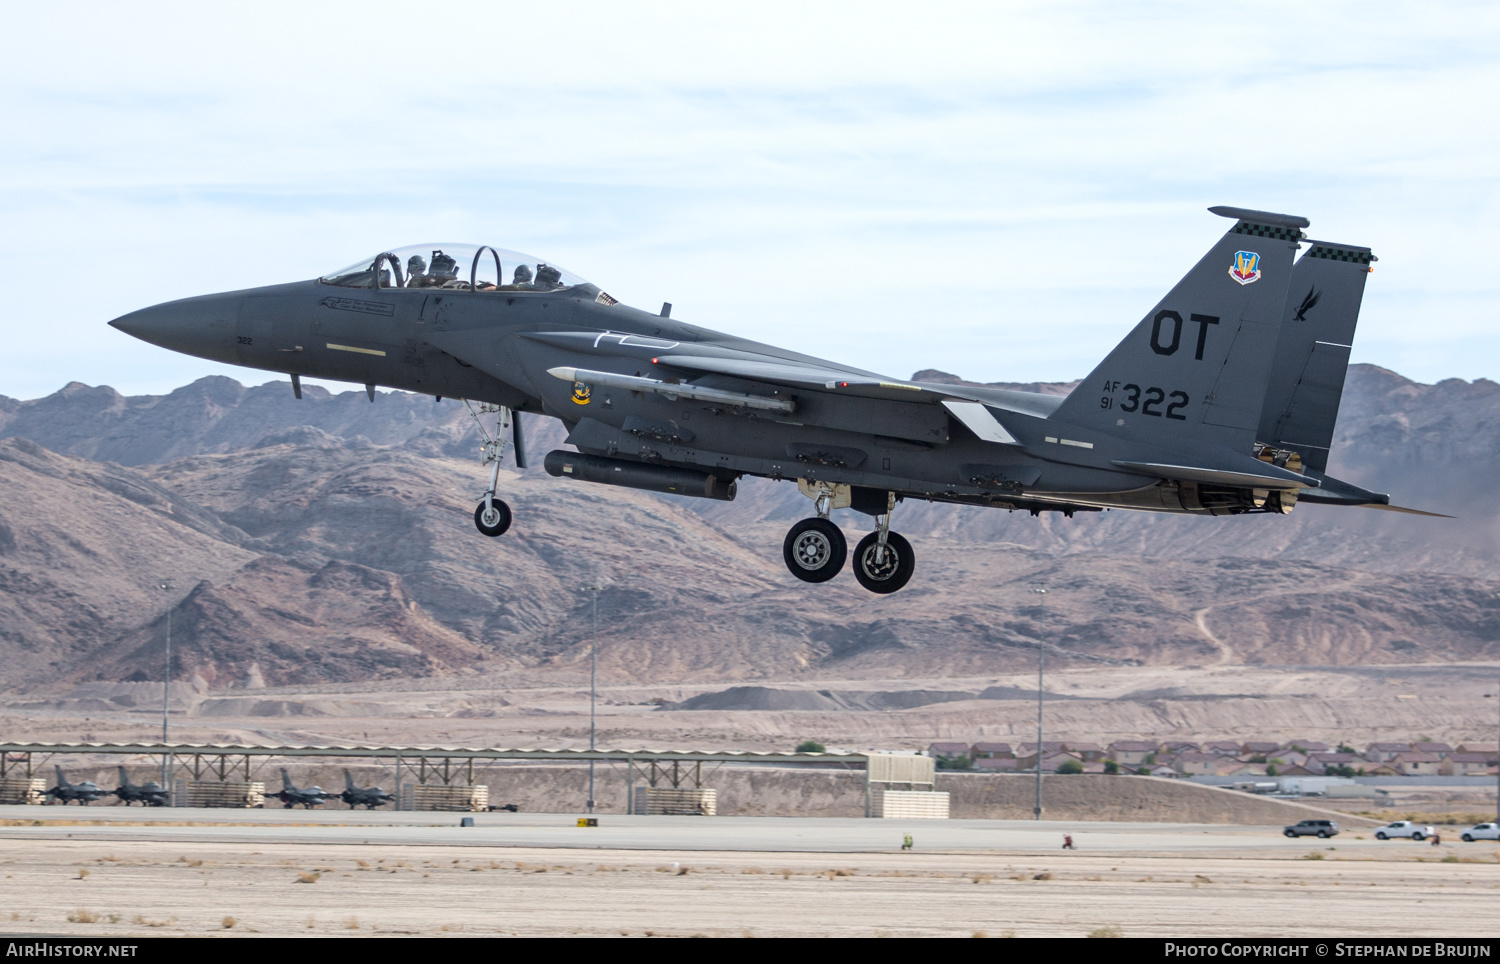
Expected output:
(522, 275)
(443, 266)
(416, 265)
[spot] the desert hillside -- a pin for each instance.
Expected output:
(329, 540)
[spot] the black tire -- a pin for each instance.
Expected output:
(894, 569)
(1468, 838)
(497, 522)
(1419, 835)
(1290, 833)
(1381, 836)
(1322, 834)
(815, 550)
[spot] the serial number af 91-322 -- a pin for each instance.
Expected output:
(1147, 404)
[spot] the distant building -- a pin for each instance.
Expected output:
(1306, 746)
(1441, 749)
(1131, 752)
(1385, 752)
(950, 750)
(1465, 765)
(1488, 749)
(992, 751)
(1416, 764)
(1225, 747)
(996, 764)
(1259, 748)
(1194, 763)
(1180, 746)
(1087, 752)
(1320, 762)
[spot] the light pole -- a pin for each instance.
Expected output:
(593, 686)
(167, 586)
(1041, 652)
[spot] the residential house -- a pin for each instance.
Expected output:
(1087, 752)
(1441, 749)
(1222, 747)
(1306, 746)
(991, 751)
(1159, 771)
(1229, 767)
(1488, 749)
(1180, 746)
(1385, 752)
(949, 750)
(1131, 752)
(1320, 762)
(1194, 763)
(1416, 764)
(996, 764)
(1465, 765)
(1259, 748)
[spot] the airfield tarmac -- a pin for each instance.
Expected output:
(333, 873)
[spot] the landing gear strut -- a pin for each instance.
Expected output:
(492, 516)
(883, 560)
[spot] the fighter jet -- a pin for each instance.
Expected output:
(146, 794)
(290, 794)
(1221, 400)
(65, 793)
(367, 797)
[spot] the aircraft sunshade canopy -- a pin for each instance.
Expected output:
(454, 266)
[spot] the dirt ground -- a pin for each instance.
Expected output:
(130, 888)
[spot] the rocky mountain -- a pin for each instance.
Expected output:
(329, 539)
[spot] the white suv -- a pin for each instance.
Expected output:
(1403, 828)
(1482, 831)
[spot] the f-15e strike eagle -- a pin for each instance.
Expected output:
(1220, 401)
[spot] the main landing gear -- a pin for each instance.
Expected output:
(815, 549)
(492, 516)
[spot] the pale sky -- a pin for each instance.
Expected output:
(997, 190)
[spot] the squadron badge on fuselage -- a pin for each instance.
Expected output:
(580, 393)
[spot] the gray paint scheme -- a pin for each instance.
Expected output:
(1182, 416)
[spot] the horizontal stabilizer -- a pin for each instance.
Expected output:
(1402, 508)
(1245, 480)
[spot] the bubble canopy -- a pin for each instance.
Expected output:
(463, 267)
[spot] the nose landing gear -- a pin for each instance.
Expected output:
(492, 516)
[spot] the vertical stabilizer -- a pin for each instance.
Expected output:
(286, 781)
(1193, 371)
(1312, 355)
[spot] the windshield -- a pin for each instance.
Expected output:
(456, 266)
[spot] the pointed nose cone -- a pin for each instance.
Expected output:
(195, 326)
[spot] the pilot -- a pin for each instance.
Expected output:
(548, 276)
(522, 275)
(416, 272)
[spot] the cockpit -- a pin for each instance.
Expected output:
(462, 267)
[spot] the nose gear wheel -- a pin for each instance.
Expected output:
(815, 550)
(887, 568)
(493, 518)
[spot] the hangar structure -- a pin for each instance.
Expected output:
(201, 766)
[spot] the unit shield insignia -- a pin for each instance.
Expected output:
(1246, 267)
(581, 393)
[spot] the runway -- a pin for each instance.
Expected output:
(637, 833)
